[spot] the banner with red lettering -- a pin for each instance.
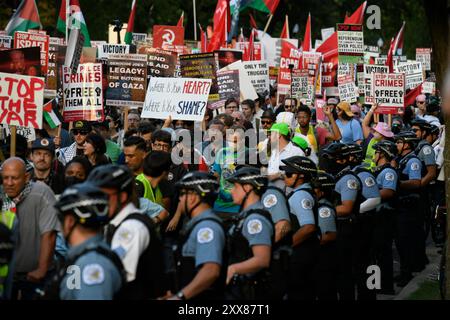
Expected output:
(167, 36)
(257, 49)
(290, 57)
(21, 100)
(28, 40)
(179, 98)
(388, 90)
(83, 94)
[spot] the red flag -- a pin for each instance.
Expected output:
(285, 31)
(252, 22)
(222, 11)
(358, 16)
(307, 45)
(249, 52)
(272, 5)
(181, 20)
(390, 57)
(130, 26)
(219, 35)
(410, 97)
(398, 42)
(203, 40)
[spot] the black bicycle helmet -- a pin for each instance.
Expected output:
(422, 124)
(205, 184)
(86, 202)
(356, 150)
(298, 164)
(388, 148)
(249, 175)
(112, 176)
(323, 180)
(336, 151)
(408, 137)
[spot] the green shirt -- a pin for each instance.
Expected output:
(113, 151)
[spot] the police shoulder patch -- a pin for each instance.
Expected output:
(254, 226)
(414, 166)
(351, 184)
(270, 200)
(324, 212)
(93, 274)
(307, 204)
(369, 182)
(427, 151)
(389, 176)
(125, 235)
(205, 235)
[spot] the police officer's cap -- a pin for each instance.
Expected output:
(205, 184)
(336, 151)
(298, 164)
(249, 175)
(86, 202)
(388, 148)
(422, 124)
(112, 176)
(323, 180)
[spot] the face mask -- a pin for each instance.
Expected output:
(396, 128)
(70, 181)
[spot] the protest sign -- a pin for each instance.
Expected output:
(105, 50)
(326, 33)
(257, 49)
(224, 57)
(52, 74)
(21, 100)
(258, 72)
(74, 50)
(289, 60)
(179, 50)
(388, 90)
(348, 91)
(167, 35)
(413, 73)
(83, 94)
(350, 43)
(27, 133)
(346, 69)
(139, 37)
(247, 91)
(300, 84)
(312, 62)
(98, 44)
(381, 61)
(28, 40)
(180, 98)
(429, 87)
(56, 41)
(360, 82)
(228, 82)
(161, 63)
(25, 61)
(5, 41)
(127, 80)
(369, 70)
(319, 105)
(201, 65)
(424, 55)
(272, 49)
(329, 68)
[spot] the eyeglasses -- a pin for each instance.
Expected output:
(160, 146)
(266, 122)
(81, 132)
(231, 107)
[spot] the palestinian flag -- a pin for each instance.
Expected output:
(76, 20)
(26, 17)
(52, 115)
(267, 6)
(129, 35)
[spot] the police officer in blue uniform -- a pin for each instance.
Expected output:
(326, 268)
(409, 224)
(200, 268)
(83, 210)
(348, 188)
(365, 223)
(386, 177)
(299, 172)
(250, 238)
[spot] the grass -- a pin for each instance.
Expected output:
(428, 290)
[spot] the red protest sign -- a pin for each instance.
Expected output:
(388, 89)
(290, 57)
(21, 100)
(28, 40)
(167, 36)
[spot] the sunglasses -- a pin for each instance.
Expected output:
(266, 122)
(81, 132)
(420, 102)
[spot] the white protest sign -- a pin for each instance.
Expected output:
(348, 91)
(105, 50)
(326, 33)
(5, 41)
(381, 61)
(21, 100)
(83, 93)
(245, 84)
(28, 133)
(424, 55)
(389, 92)
(429, 87)
(272, 49)
(300, 82)
(258, 73)
(350, 43)
(361, 82)
(179, 98)
(139, 37)
(369, 70)
(413, 73)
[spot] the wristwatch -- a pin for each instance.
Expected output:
(180, 295)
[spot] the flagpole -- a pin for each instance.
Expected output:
(67, 19)
(195, 20)
(268, 23)
(287, 27)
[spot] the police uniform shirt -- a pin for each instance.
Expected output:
(369, 185)
(387, 179)
(302, 203)
(206, 241)
(273, 201)
(327, 217)
(413, 169)
(426, 154)
(256, 228)
(98, 277)
(347, 187)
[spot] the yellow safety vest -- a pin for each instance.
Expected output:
(311, 137)
(154, 196)
(370, 154)
(7, 218)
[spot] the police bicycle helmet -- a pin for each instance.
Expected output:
(388, 148)
(86, 202)
(422, 124)
(113, 176)
(407, 137)
(356, 151)
(323, 180)
(298, 164)
(249, 175)
(335, 151)
(203, 183)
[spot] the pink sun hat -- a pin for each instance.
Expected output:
(384, 129)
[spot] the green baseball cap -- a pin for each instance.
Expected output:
(300, 142)
(281, 128)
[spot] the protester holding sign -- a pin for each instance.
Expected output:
(351, 130)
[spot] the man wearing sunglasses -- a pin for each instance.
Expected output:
(80, 130)
(421, 103)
